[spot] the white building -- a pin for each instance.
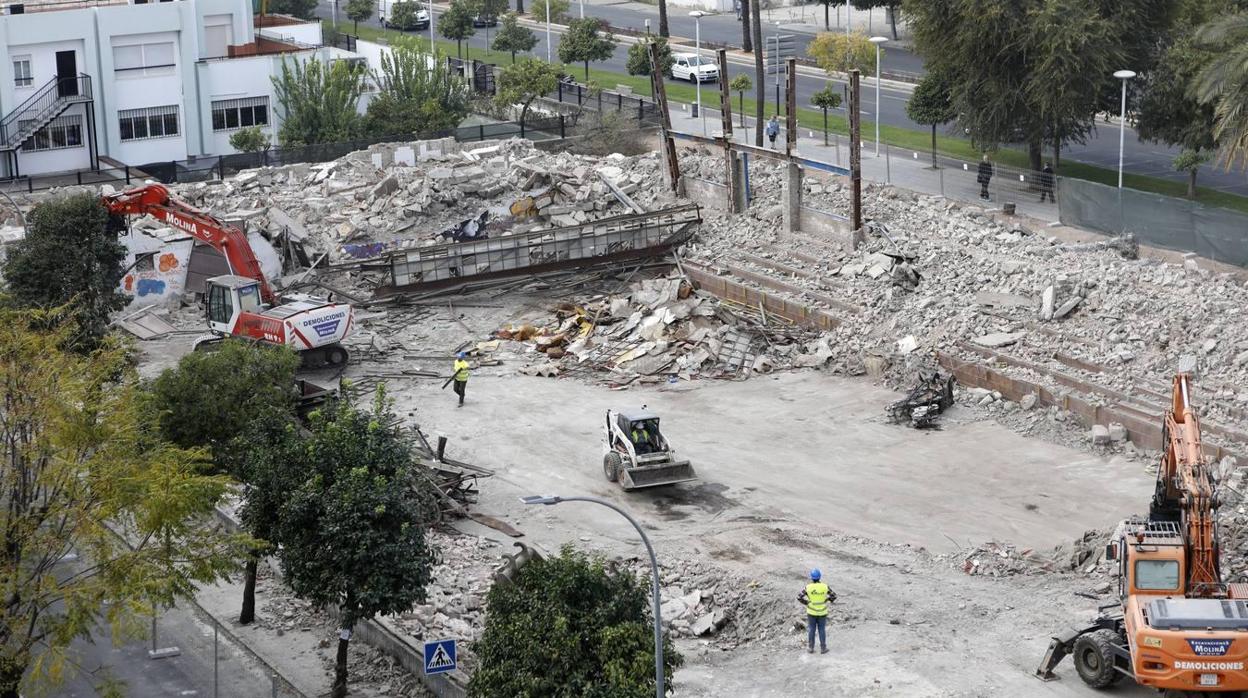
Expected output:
(138, 82)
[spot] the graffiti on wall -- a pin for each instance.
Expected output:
(154, 280)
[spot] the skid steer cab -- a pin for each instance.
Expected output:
(637, 455)
(310, 326)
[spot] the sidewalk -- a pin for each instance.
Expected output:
(907, 169)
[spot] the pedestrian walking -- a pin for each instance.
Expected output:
(984, 177)
(461, 376)
(1046, 183)
(773, 130)
(816, 597)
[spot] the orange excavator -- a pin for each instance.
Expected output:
(1177, 627)
(242, 304)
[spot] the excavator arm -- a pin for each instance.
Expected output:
(155, 200)
(1185, 485)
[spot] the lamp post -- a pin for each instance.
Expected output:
(548, 58)
(432, 50)
(877, 40)
(847, 11)
(697, 69)
(654, 575)
(1124, 76)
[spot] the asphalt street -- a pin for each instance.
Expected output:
(238, 674)
(1101, 148)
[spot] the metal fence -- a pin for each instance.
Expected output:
(221, 166)
(643, 109)
(1215, 233)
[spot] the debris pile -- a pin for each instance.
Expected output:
(932, 395)
(663, 327)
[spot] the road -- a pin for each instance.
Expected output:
(188, 674)
(1101, 148)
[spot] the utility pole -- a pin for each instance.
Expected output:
(855, 152)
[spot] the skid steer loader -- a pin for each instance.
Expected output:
(636, 455)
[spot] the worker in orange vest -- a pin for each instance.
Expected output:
(816, 597)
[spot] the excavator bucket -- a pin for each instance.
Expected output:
(654, 475)
(1060, 646)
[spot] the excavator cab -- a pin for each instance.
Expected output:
(228, 297)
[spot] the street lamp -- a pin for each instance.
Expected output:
(877, 40)
(432, 50)
(847, 11)
(548, 58)
(697, 69)
(1124, 76)
(654, 575)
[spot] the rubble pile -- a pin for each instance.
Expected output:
(998, 285)
(701, 601)
(1085, 555)
(663, 327)
(396, 196)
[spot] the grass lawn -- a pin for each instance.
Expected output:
(812, 119)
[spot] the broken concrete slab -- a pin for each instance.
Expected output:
(999, 339)
(1100, 435)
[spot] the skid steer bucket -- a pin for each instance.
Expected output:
(656, 474)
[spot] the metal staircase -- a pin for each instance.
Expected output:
(59, 94)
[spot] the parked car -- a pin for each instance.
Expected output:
(385, 12)
(484, 21)
(694, 68)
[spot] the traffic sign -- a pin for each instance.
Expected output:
(778, 47)
(439, 656)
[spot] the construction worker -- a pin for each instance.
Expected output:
(816, 597)
(461, 376)
(641, 438)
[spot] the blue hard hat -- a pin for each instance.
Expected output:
(815, 574)
(460, 355)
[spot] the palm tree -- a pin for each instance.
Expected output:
(1224, 84)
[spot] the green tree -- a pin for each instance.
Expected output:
(741, 84)
(1189, 161)
(1021, 71)
(639, 58)
(512, 37)
(353, 532)
(251, 139)
(663, 30)
(892, 7)
(491, 9)
(827, 11)
(403, 15)
(82, 472)
(524, 81)
(834, 52)
(747, 44)
(303, 9)
(69, 259)
(359, 11)
(456, 24)
(826, 99)
(583, 43)
(567, 627)
(269, 465)
(210, 397)
(418, 93)
(1167, 111)
(932, 105)
(1223, 83)
(318, 102)
(558, 10)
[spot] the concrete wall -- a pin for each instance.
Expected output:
(709, 194)
(826, 224)
(309, 33)
(166, 280)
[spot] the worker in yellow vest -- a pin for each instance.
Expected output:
(461, 376)
(816, 597)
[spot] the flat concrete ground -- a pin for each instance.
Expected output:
(794, 469)
(806, 446)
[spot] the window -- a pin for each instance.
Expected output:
(249, 299)
(138, 60)
(1157, 574)
(22, 76)
(230, 114)
(61, 132)
(220, 307)
(153, 122)
(145, 262)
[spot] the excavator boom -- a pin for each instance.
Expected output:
(155, 200)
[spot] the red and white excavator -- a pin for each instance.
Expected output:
(242, 304)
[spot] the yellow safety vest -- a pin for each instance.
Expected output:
(461, 370)
(817, 599)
